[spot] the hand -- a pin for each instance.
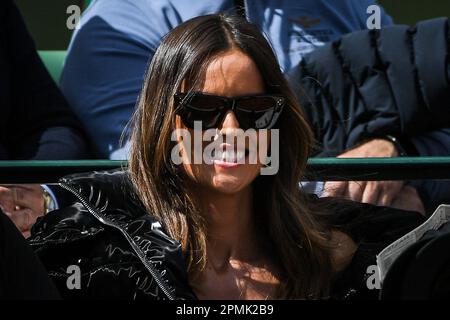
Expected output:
(375, 192)
(408, 199)
(23, 204)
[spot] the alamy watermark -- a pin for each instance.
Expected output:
(74, 279)
(373, 280)
(73, 20)
(234, 147)
(374, 20)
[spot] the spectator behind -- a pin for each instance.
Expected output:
(36, 122)
(360, 94)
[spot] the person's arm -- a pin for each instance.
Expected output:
(41, 125)
(102, 79)
(417, 195)
(382, 193)
(357, 93)
(361, 87)
(433, 144)
(23, 204)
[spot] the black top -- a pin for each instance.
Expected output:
(36, 121)
(124, 252)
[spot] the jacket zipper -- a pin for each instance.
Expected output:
(155, 274)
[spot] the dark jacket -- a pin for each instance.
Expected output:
(377, 82)
(124, 252)
(35, 119)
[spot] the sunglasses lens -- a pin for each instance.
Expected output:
(205, 102)
(252, 112)
(207, 109)
(255, 112)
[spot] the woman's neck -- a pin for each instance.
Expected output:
(237, 267)
(230, 224)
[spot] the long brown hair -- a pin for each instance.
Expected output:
(298, 240)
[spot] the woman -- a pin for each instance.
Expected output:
(218, 230)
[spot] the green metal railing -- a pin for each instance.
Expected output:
(378, 169)
(361, 169)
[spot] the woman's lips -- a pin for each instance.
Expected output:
(229, 157)
(226, 165)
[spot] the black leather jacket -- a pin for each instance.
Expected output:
(124, 252)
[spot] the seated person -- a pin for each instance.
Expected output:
(107, 57)
(213, 230)
(36, 121)
(364, 99)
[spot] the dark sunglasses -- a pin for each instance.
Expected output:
(252, 112)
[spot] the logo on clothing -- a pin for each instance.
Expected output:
(305, 22)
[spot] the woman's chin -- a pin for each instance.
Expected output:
(228, 180)
(229, 184)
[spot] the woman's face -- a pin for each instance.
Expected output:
(231, 74)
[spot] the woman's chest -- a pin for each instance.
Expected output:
(236, 284)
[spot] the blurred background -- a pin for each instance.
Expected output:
(46, 19)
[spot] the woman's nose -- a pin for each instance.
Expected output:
(230, 121)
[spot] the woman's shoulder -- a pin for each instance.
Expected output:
(110, 257)
(101, 199)
(114, 243)
(81, 255)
